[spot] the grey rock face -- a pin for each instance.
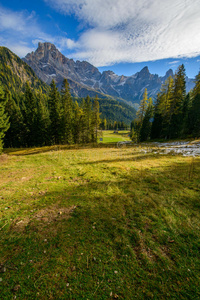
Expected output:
(85, 79)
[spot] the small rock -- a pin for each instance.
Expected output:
(16, 288)
(2, 269)
(115, 272)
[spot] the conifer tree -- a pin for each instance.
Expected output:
(194, 109)
(30, 116)
(145, 130)
(137, 125)
(55, 114)
(43, 121)
(87, 111)
(67, 113)
(96, 119)
(15, 135)
(142, 108)
(156, 128)
(179, 94)
(78, 116)
(165, 106)
(4, 119)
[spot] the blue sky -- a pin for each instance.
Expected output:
(118, 35)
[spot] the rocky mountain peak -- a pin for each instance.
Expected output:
(145, 70)
(85, 79)
(169, 73)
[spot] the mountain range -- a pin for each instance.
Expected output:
(85, 79)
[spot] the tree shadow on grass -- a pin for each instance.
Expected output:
(136, 156)
(136, 235)
(44, 149)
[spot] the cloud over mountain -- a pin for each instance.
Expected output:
(133, 31)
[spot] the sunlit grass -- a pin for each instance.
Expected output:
(99, 223)
(112, 136)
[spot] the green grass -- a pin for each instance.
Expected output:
(110, 137)
(99, 223)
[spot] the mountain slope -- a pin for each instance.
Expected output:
(14, 72)
(48, 63)
(114, 110)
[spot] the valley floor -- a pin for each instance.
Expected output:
(99, 223)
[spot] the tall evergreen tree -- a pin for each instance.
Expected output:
(4, 119)
(179, 95)
(15, 135)
(194, 109)
(43, 121)
(145, 130)
(78, 118)
(137, 125)
(55, 114)
(30, 116)
(95, 119)
(87, 113)
(67, 113)
(143, 106)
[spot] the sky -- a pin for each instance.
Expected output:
(122, 36)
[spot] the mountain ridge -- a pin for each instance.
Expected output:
(49, 63)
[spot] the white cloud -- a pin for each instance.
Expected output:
(68, 43)
(174, 62)
(20, 49)
(132, 30)
(17, 29)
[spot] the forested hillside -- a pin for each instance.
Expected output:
(14, 73)
(113, 110)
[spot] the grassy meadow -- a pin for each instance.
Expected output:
(109, 136)
(99, 223)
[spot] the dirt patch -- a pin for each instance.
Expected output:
(46, 215)
(3, 158)
(53, 213)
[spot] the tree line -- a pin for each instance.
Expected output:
(174, 114)
(37, 119)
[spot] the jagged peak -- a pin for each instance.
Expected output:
(169, 73)
(145, 70)
(46, 45)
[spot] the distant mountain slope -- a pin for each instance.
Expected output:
(48, 63)
(114, 110)
(14, 72)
